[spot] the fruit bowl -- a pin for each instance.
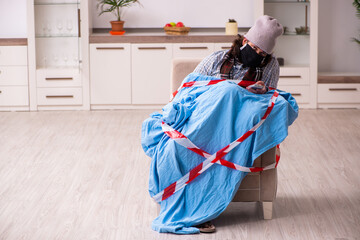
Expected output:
(177, 30)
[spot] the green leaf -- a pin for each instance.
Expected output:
(356, 40)
(114, 6)
(356, 4)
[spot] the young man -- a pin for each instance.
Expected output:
(250, 57)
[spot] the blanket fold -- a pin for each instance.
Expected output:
(211, 117)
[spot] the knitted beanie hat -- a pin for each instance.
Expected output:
(264, 33)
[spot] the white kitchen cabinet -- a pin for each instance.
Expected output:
(57, 33)
(192, 50)
(296, 81)
(110, 74)
(13, 78)
(339, 90)
(299, 50)
(337, 95)
(58, 54)
(151, 65)
(58, 87)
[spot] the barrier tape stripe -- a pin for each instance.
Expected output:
(185, 142)
(211, 160)
(241, 83)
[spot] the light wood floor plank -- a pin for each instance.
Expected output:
(83, 175)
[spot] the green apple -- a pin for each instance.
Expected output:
(173, 24)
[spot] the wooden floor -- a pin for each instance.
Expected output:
(83, 175)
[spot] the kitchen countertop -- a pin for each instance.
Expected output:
(159, 36)
(13, 42)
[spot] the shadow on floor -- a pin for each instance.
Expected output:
(288, 206)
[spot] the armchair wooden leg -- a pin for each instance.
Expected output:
(267, 210)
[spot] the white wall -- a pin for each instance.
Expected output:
(13, 19)
(337, 25)
(193, 13)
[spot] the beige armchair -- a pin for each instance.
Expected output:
(256, 187)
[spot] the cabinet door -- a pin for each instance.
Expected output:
(192, 50)
(151, 65)
(110, 72)
(57, 36)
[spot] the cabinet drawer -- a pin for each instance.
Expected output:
(339, 93)
(222, 46)
(14, 96)
(58, 78)
(13, 75)
(13, 55)
(192, 50)
(59, 96)
(294, 76)
(300, 93)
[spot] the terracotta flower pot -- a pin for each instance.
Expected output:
(117, 26)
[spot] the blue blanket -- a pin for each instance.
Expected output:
(211, 117)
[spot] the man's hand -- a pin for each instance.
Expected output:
(258, 88)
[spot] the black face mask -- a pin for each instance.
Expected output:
(249, 57)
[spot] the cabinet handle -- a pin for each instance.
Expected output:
(110, 48)
(225, 47)
(0, 91)
(296, 94)
(59, 96)
(343, 89)
(55, 79)
(284, 76)
(79, 25)
(151, 48)
(191, 48)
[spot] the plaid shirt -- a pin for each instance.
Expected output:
(211, 66)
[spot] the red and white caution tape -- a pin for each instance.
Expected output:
(211, 159)
(185, 142)
(211, 82)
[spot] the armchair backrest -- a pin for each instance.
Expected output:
(181, 67)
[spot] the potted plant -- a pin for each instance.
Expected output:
(114, 6)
